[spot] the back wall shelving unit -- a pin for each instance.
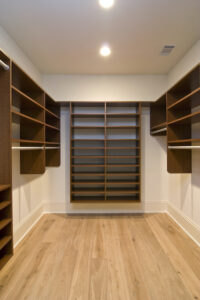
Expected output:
(105, 151)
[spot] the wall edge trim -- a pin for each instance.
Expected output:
(188, 226)
(27, 224)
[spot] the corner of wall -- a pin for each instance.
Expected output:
(10, 47)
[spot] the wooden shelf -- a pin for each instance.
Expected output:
(159, 126)
(122, 182)
(88, 156)
(122, 139)
(106, 156)
(24, 100)
(88, 192)
(87, 140)
(88, 165)
(87, 115)
(122, 156)
(87, 174)
(87, 182)
(4, 204)
(123, 174)
(4, 187)
(122, 148)
(123, 127)
(86, 148)
(122, 165)
(4, 241)
(52, 127)
(87, 127)
(193, 117)
(27, 141)
(122, 192)
(52, 114)
(122, 114)
(19, 117)
(4, 223)
(188, 99)
(184, 141)
(51, 143)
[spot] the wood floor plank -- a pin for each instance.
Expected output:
(81, 277)
(134, 276)
(161, 280)
(103, 258)
(183, 269)
(187, 247)
(99, 266)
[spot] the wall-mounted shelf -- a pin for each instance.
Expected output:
(105, 146)
(38, 118)
(183, 101)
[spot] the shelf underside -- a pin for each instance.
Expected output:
(4, 187)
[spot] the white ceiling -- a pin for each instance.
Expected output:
(64, 36)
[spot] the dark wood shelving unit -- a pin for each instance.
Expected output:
(30, 123)
(28, 102)
(102, 132)
(37, 116)
(6, 228)
(183, 101)
(158, 124)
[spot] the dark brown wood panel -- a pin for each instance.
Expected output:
(6, 228)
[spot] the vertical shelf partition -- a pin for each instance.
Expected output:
(105, 151)
(52, 132)
(6, 233)
(158, 123)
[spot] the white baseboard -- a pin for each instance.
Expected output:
(108, 208)
(27, 224)
(55, 207)
(191, 228)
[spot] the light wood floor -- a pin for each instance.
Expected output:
(106, 258)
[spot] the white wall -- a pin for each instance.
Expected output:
(9, 46)
(104, 88)
(184, 190)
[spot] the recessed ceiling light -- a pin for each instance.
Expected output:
(105, 50)
(106, 3)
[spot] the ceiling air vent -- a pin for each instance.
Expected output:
(167, 49)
